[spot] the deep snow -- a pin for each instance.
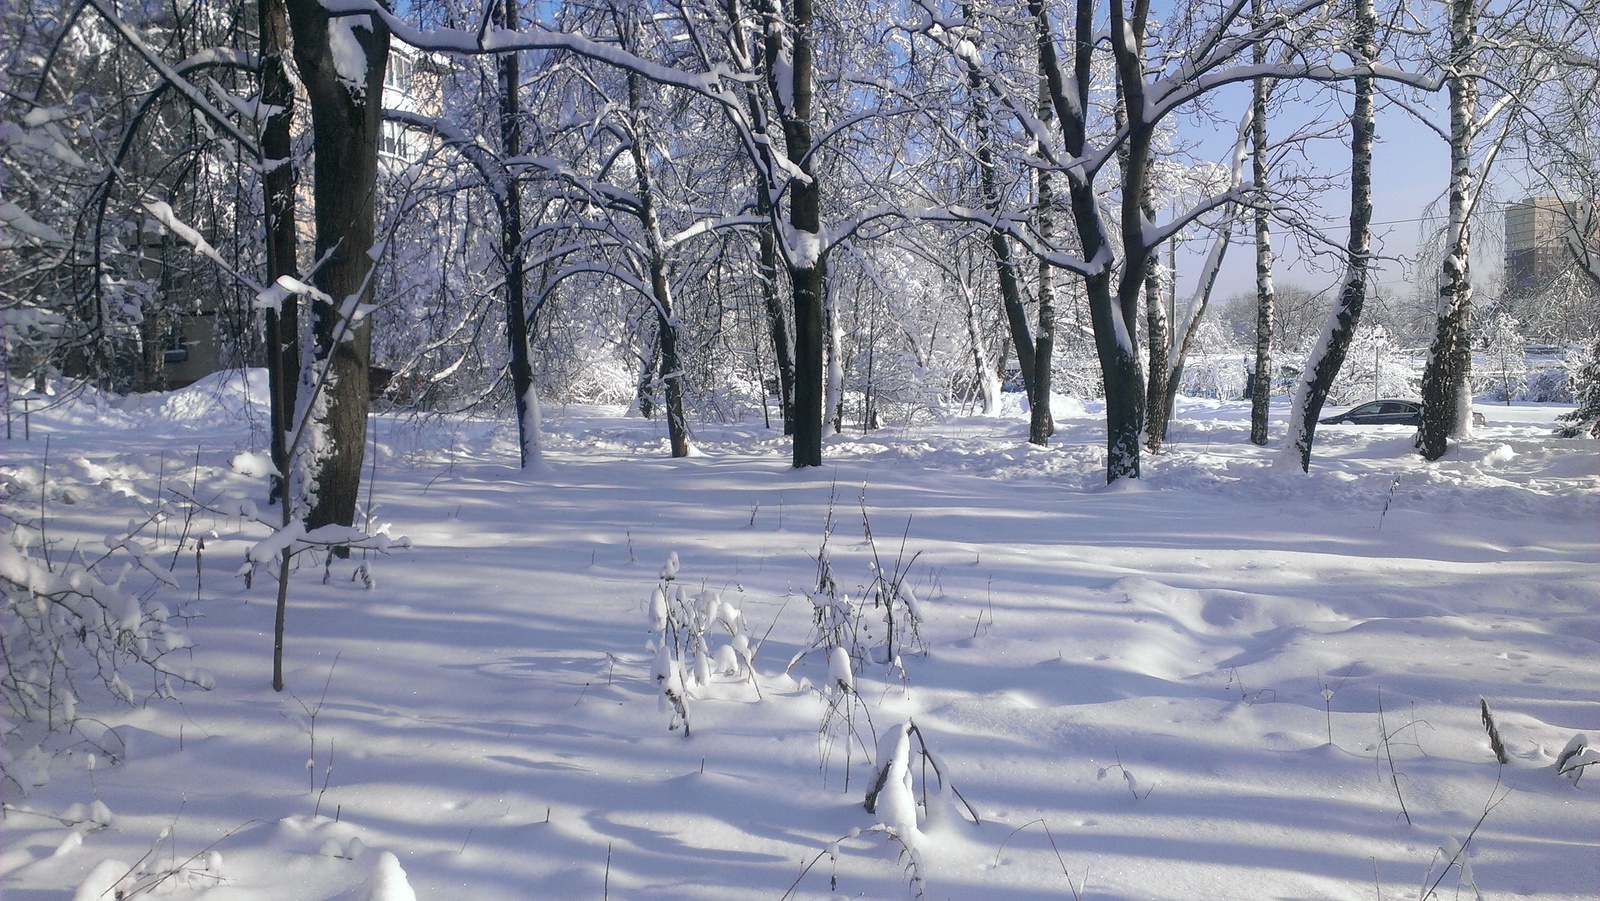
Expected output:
(1133, 687)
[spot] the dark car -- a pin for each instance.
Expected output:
(1387, 412)
(1379, 412)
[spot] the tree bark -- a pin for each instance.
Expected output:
(345, 119)
(1159, 393)
(1110, 314)
(1125, 387)
(777, 324)
(1447, 378)
(512, 255)
(282, 325)
(1329, 355)
(1261, 385)
(999, 247)
(1041, 425)
(660, 282)
(807, 265)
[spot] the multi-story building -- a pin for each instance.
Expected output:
(191, 342)
(1538, 231)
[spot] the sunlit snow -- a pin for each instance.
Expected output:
(1189, 690)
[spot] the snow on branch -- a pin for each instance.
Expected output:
(536, 36)
(190, 91)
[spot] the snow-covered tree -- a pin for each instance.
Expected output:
(1504, 353)
(1374, 367)
(1585, 382)
(1322, 369)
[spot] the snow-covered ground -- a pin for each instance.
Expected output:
(1226, 680)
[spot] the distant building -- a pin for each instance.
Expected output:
(411, 82)
(1537, 234)
(183, 345)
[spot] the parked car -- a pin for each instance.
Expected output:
(1388, 412)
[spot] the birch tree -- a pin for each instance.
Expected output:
(1326, 358)
(1261, 385)
(1496, 61)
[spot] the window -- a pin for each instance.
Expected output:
(396, 141)
(398, 75)
(175, 349)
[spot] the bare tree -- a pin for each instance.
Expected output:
(1329, 353)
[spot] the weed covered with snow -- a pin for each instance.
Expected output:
(697, 639)
(76, 619)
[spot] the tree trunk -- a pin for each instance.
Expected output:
(983, 371)
(1329, 355)
(999, 246)
(1041, 425)
(649, 365)
(345, 119)
(1261, 387)
(1158, 397)
(1109, 314)
(1191, 325)
(833, 390)
(807, 265)
(278, 186)
(777, 326)
(1125, 387)
(1447, 378)
(523, 398)
(660, 283)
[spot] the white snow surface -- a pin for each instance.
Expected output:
(1152, 672)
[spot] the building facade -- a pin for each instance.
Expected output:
(1538, 231)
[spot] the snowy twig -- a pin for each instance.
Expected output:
(1077, 891)
(1394, 777)
(1456, 857)
(1495, 744)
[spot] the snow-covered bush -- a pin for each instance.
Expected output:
(72, 624)
(1218, 376)
(1374, 367)
(683, 629)
(1547, 385)
(1076, 373)
(1585, 381)
(883, 619)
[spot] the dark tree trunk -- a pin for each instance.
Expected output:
(511, 254)
(649, 368)
(345, 120)
(1125, 386)
(278, 183)
(1329, 356)
(777, 326)
(1111, 314)
(807, 269)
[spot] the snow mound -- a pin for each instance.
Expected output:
(388, 881)
(227, 394)
(101, 880)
